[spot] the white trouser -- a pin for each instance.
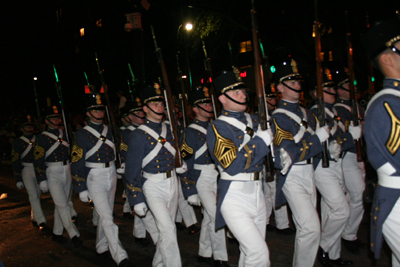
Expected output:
(335, 209)
(281, 214)
(33, 189)
(354, 182)
(391, 233)
(127, 207)
(185, 211)
(162, 199)
(244, 212)
(143, 224)
(102, 184)
(211, 243)
(300, 192)
(59, 180)
(71, 205)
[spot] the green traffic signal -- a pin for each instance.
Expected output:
(273, 69)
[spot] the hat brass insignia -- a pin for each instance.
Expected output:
(138, 102)
(55, 109)
(157, 87)
(293, 63)
(328, 74)
(206, 93)
(98, 99)
(237, 73)
(29, 118)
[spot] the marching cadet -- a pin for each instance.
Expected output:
(94, 177)
(199, 183)
(381, 131)
(151, 178)
(297, 140)
(51, 162)
(133, 117)
(353, 171)
(239, 150)
(24, 173)
(335, 209)
(280, 214)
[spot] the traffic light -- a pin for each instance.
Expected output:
(273, 69)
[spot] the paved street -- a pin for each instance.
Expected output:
(21, 244)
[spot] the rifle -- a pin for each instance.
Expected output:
(263, 116)
(214, 97)
(130, 86)
(110, 114)
(354, 107)
(39, 121)
(320, 93)
(183, 96)
(170, 103)
(61, 101)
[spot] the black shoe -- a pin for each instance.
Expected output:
(73, 218)
(142, 241)
(106, 254)
(271, 228)
(208, 261)
(58, 238)
(323, 258)
(179, 226)
(76, 241)
(220, 263)
(34, 224)
(341, 262)
(286, 231)
(193, 229)
(126, 263)
(128, 215)
(351, 246)
(44, 227)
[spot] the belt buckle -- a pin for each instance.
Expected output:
(256, 176)
(168, 174)
(107, 164)
(64, 162)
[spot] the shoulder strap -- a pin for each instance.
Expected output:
(380, 93)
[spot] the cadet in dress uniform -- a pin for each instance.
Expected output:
(133, 116)
(151, 178)
(94, 177)
(297, 140)
(199, 183)
(51, 162)
(353, 171)
(335, 209)
(24, 173)
(281, 213)
(381, 131)
(239, 150)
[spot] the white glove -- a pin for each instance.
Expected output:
(355, 131)
(335, 149)
(44, 186)
(323, 133)
(84, 196)
(182, 169)
(194, 200)
(140, 209)
(20, 185)
(121, 170)
(286, 161)
(265, 135)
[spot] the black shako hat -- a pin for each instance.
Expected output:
(383, 35)
(269, 94)
(93, 99)
(287, 70)
(152, 93)
(28, 121)
(198, 95)
(53, 111)
(228, 81)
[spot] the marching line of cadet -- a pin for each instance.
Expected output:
(223, 168)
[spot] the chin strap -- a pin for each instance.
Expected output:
(154, 111)
(237, 102)
(137, 116)
(272, 105)
(211, 112)
(329, 93)
(100, 119)
(295, 90)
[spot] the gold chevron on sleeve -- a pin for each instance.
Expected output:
(305, 147)
(38, 152)
(15, 156)
(393, 142)
(123, 146)
(281, 134)
(224, 150)
(76, 153)
(186, 150)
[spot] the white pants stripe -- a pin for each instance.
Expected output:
(281, 214)
(33, 189)
(244, 212)
(185, 211)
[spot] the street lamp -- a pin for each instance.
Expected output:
(37, 103)
(188, 27)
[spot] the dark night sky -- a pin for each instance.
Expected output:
(31, 40)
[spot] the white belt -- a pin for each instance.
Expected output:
(99, 165)
(58, 163)
(304, 162)
(384, 176)
(202, 167)
(159, 176)
(27, 164)
(254, 176)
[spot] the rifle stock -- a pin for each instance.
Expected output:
(259, 80)
(170, 103)
(320, 93)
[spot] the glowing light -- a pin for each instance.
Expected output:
(189, 26)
